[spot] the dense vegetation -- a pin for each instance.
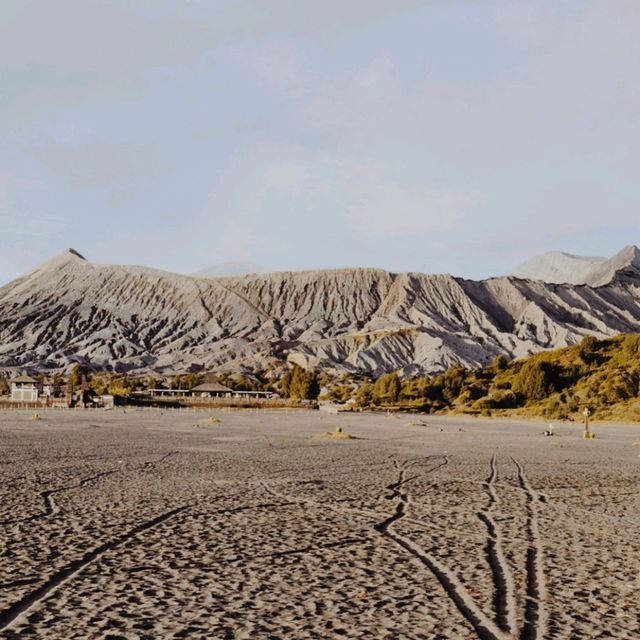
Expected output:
(294, 384)
(603, 375)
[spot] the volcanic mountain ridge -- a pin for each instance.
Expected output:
(145, 320)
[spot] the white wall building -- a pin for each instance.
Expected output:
(24, 389)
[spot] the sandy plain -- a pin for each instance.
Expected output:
(171, 525)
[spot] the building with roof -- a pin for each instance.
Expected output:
(211, 390)
(164, 393)
(24, 388)
(48, 387)
(254, 394)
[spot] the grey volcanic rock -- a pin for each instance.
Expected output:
(558, 267)
(140, 319)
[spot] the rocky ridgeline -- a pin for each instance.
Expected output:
(145, 320)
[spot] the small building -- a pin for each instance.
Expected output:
(264, 395)
(164, 393)
(24, 389)
(108, 401)
(211, 390)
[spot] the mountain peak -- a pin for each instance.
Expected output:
(68, 258)
(557, 267)
(630, 255)
(72, 253)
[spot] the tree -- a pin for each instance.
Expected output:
(386, 389)
(299, 384)
(58, 381)
(285, 384)
(500, 363)
(413, 389)
(340, 393)
(77, 373)
(154, 383)
(587, 349)
(99, 383)
(364, 396)
(186, 381)
(69, 391)
(536, 380)
(451, 383)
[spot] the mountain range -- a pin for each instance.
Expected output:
(145, 320)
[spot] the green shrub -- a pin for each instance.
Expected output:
(587, 349)
(386, 389)
(535, 380)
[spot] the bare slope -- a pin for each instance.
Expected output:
(148, 320)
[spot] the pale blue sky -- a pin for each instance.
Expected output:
(435, 136)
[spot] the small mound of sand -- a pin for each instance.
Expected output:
(416, 423)
(332, 435)
(338, 434)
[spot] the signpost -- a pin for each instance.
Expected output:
(588, 435)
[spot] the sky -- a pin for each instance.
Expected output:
(439, 136)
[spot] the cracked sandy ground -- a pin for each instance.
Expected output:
(162, 525)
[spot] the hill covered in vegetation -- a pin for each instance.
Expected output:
(603, 375)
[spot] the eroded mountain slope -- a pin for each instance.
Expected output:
(135, 318)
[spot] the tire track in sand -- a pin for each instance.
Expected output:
(32, 599)
(483, 625)
(504, 597)
(535, 616)
(50, 504)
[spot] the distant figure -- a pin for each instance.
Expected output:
(549, 431)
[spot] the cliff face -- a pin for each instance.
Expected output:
(355, 319)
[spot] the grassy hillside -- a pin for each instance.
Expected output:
(603, 375)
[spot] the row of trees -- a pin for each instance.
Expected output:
(296, 383)
(601, 373)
